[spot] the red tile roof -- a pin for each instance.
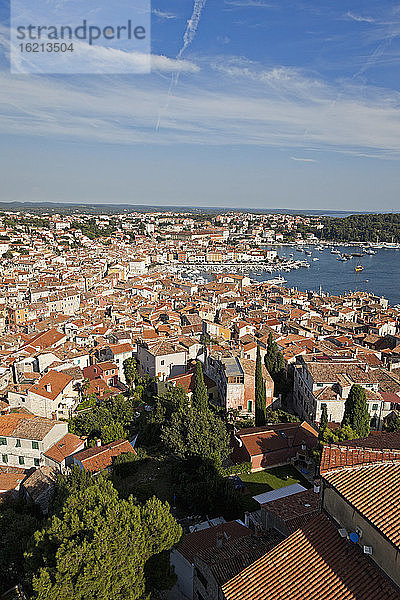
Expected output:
(374, 491)
(64, 447)
(376, 439)
(198, 541)
(9, 422)
(10, 481)
(261, 440)
(99, 458)
(295, 510)
(334, 458)
(187, 381)
(57, 382)
(314, 563)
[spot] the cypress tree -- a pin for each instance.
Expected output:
(356, 413)
(260, 393)
(200, 395)
(323, 425)
(270, 356)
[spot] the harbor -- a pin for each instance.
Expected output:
(334, 268)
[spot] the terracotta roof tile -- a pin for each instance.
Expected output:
(64, 447)
(261, 440)
(314, 563)
(9, 422)
(51, 385)
(198, 541)
(295, 510)
(374, 491)
(99, 458)
(335, 458)
(236, 554)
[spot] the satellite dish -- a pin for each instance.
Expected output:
(354, 537)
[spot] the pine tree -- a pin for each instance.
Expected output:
(260, 392)
(200, 394)
(356, 413)
(323, 425)
(98, 546)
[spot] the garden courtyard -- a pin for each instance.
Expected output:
(267, 480)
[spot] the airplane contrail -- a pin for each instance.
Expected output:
(188, 37)
(192, 25)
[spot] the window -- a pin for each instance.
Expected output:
(201, 578)
(374, 407)
(18, 444)
(35, 445)
(3, 441)
(21, 460)
(4, 458)
(162, 362)
(323, 405)
(36, 462)
(250, 406)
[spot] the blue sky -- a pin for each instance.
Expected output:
(267, 104)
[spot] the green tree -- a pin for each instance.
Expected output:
(275, 364)
(112, 433)
(99, 545)
(15, 530)
(392, 422)
(356, 413)
(200, 395)
(130, 371)
(196, 433)
(85, 386)
(114, 417)
(324, 421)
(270, 355)
(174, 399)
(280, 416)
(260, 393)
(329, 436)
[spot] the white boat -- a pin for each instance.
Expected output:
(276, 281)
(333, 251)
(314, 259)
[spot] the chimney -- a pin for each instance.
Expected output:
(247, 519)
(317, 486)
(220, 540)
(48, 387)
(98, 443)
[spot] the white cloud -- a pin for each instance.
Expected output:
(239, 102)
(173, 65)
(247, 4)
(163, 15)
(359, 18)
(306, 160)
